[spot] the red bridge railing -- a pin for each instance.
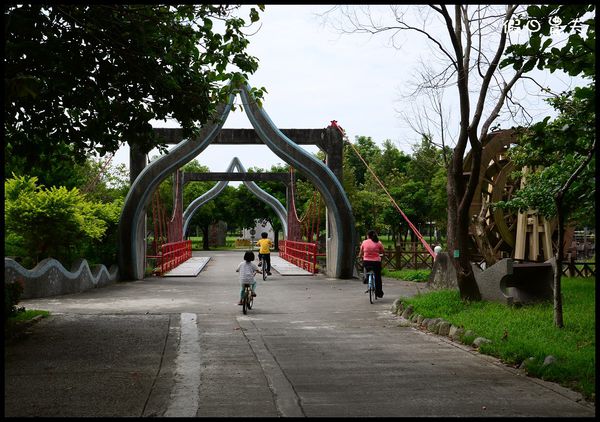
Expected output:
(171, 255)
(302, 254)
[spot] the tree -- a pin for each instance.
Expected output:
(392, 161)
(563, 152)
(428, 166)
(93, 76)
(471, 42)
(576, 56)
(564, 147)
(277, 190)
(56, 222)
(368, 149)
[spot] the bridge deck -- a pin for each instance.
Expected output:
(189, 268)
(193, 266)
(284, 267)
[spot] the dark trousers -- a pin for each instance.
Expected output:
(266, 259)
(375, 266)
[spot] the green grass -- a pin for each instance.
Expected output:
(28, 314)
(531, 331)
(408, 275)
(229, 244)
(21, 317)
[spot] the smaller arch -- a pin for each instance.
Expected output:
(218, 188)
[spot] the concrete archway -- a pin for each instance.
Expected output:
(132, 245)
(218, 188)
(340, 243)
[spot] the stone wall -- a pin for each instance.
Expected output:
(217, 234)
(50, 278)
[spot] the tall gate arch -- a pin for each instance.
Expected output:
(212, 193)
(341, 237)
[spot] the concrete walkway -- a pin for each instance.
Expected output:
(311, 346)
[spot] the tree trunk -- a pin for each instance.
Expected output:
(458, 236)
(558, 313)
(464, 273)
(205, 245)
(481, 238)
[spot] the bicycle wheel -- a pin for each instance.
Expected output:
(371, 289)
(245, 302)
(250, 300)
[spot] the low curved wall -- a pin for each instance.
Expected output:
(50, 278)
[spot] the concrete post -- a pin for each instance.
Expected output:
(137, 162)
(332, 144)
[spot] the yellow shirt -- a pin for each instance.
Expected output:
(264, 244)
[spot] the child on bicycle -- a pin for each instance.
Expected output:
(247, 270)
(264, 253)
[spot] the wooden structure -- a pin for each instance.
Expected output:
(506, 234)
(406, 255)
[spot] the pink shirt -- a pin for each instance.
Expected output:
(371, 250)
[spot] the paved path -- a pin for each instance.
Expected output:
(311, 346)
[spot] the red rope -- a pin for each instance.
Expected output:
(307, 221)
(413, 228)
(176, 222)
(292, 186)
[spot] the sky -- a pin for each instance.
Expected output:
(313, 74)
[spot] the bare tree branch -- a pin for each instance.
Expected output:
(487, 78)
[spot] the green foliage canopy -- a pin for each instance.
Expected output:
(575, 57)
(55, 222)
(557, 148)
(93, 76)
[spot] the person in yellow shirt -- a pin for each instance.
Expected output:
(264, 253)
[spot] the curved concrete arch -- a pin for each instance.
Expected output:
(218, 188)
(132, 246)
(341, 244)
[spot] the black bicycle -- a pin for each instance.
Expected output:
(263, 264)
(247, 299)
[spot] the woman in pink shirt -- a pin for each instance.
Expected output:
(371, 250)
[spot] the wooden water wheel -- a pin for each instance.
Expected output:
(501, 232)
(496, 183)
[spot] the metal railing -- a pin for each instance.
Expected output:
(171, 255)
(301, 254)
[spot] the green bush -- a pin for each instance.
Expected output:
(58, 223)
(408, 275)
(12, 296)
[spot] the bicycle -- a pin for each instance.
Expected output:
(247, 299)
(370, 277)
(262, 265)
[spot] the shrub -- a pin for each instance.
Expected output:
(57, 222)
(12, 296)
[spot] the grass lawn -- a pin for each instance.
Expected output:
(229, 244)
(13, 324)
(530, 331)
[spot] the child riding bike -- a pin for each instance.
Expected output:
(247, 270)
(264, 253)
